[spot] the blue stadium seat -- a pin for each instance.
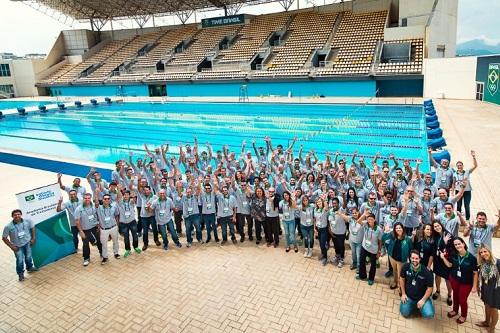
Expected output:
(434, 133)
(433, 125)
(444, 154)
(436, 143)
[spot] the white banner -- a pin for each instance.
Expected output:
(39, 204)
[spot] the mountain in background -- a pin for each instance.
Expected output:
(476, 47)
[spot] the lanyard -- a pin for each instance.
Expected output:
(475, 232)
(370, 232)
(461, 259)
(17, 224)
(127, 205)
(414, 274)
(104, 209)
(87, 211)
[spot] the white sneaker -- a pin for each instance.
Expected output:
(334, 260)
(341, 263)
(306, 252)
(86, 262)
(310, 253)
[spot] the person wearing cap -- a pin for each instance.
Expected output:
(163, 207)
(416, 283)
(108, 215)
(87, 224)
(128, 223)
(70, 206)
(80, 190)
(481, 232)
(19, 235)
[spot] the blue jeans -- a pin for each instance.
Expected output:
(289, 232)
(162, 228)
(23, 255)
(126, 229)
(211, 226)
(407, 308)
(323, 241)
(355, 251)
(146, 222)
(308, 234)
(190, 221)
(224, 222)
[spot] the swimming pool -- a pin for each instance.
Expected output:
(105, 133)
(13, 104)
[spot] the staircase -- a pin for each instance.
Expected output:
(336, 26)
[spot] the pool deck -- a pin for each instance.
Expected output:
(242, 288)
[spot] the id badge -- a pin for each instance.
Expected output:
(408, 213)
(413, 282)
(128, 214)
(286, 215)
(459, 273)
(421, 254)
(209, 206)
(162, 212)
(91, 217)
(443, 179)
(190, 210)
(354, 233)
(245, 203)
(21, 234)
(268, 210)
(477, 242)
(368, 243)
(107, 218)
(226, 210)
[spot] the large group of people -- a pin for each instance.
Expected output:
(378, 208)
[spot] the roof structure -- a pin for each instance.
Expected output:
(117, 9)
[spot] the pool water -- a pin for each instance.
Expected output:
(106, 133)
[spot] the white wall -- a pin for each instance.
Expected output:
(453, 78)
(398, 33)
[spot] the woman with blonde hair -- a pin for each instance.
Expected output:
(489, 278)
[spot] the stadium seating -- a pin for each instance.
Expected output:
(356, 40)
(308, 31)
(413, 66)
(252, 36)
(351, 44)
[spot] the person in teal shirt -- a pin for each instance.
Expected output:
(398, 246)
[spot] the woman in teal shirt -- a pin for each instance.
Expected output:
(398, 246)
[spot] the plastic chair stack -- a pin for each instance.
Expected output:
(435, 138)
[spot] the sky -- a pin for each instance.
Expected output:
(26, 30)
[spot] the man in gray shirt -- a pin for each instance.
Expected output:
(70, 206)
(208, 211)
(108, 215)
(19, 236)
(86, 222)
(243, 211)
(226, 213)
(163, 207)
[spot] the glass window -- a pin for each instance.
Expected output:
(6, 89)
(4, 70)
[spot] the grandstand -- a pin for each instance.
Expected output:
(367, 47)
